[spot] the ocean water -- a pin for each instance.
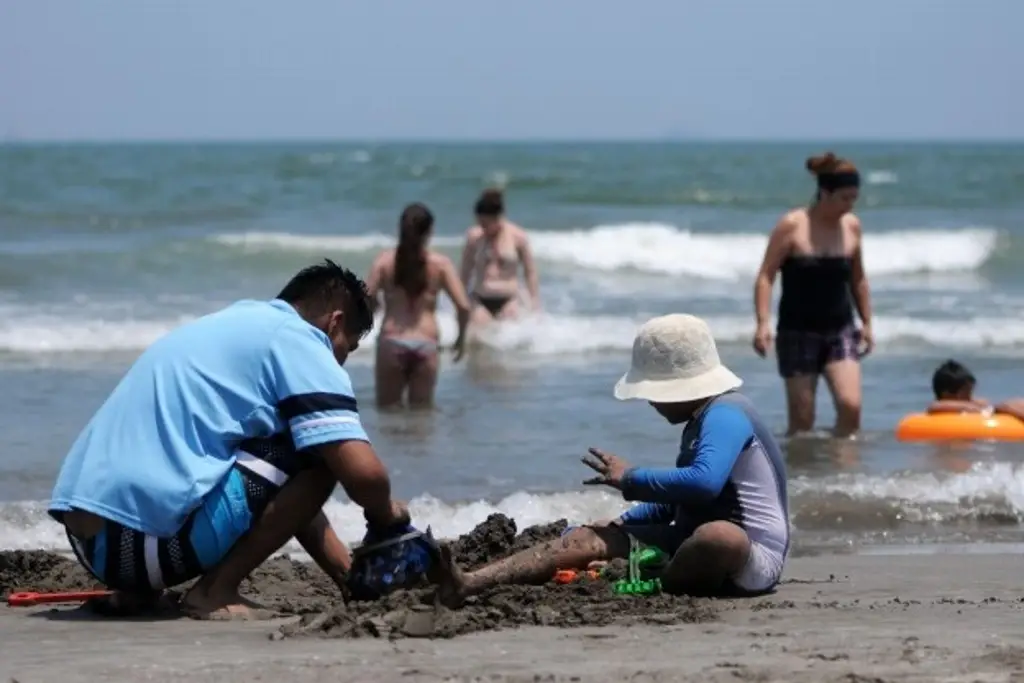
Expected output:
(105, 248)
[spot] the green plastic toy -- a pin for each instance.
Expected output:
(640, 559)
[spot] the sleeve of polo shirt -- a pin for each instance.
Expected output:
(313, 392)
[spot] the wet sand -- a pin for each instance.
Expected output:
(837, 618)
(292, 588)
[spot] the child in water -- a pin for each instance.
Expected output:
(954, 384)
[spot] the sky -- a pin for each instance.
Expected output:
(529, 69)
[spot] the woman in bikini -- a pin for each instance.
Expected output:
(495, 247)
(410, 277)
(818, 251)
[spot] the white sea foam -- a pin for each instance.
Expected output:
(665, 249)
(26, 332)
(882, 177)
(919, 498)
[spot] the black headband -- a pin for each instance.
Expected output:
(837, 181)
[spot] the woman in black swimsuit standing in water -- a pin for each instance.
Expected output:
(818, 250)
(495, 247)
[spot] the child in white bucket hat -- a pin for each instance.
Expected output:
(675, 360)
(721, 512)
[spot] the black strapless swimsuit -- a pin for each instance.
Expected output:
(816, 325)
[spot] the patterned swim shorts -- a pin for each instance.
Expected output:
(129, 560)
(807, 353)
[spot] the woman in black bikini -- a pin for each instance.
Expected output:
(818, 251)
(495, 247)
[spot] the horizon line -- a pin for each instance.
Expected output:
(441, 140)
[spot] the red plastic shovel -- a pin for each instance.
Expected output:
(27, 599)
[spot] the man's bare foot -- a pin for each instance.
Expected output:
(212, 605)
(452, 589)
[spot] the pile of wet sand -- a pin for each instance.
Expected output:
(297, 588)
(41, 572)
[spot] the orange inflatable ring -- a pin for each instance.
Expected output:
(959, 426)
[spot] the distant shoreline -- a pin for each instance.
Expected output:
(517, 142)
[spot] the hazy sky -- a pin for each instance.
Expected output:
(198, 69)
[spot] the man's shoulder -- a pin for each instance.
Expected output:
(293, 333)
(267, 322)
(249, 313)
(302, 353)
(236, 335)
(270, 310)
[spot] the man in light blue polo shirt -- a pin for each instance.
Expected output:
(222, 442)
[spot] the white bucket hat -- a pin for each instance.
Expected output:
(675, 360)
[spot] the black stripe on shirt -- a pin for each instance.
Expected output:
(303, 404)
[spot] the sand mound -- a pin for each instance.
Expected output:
(412, 613)
(298, 588)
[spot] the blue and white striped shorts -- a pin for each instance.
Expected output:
(126, 559)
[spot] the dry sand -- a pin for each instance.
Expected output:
(850, 618)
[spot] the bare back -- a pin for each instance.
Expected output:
(405, 316)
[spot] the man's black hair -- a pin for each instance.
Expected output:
(951, 377)
(327, 286)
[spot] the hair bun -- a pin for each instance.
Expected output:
(823, 163)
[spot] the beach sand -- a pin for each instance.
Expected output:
(941, 617)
